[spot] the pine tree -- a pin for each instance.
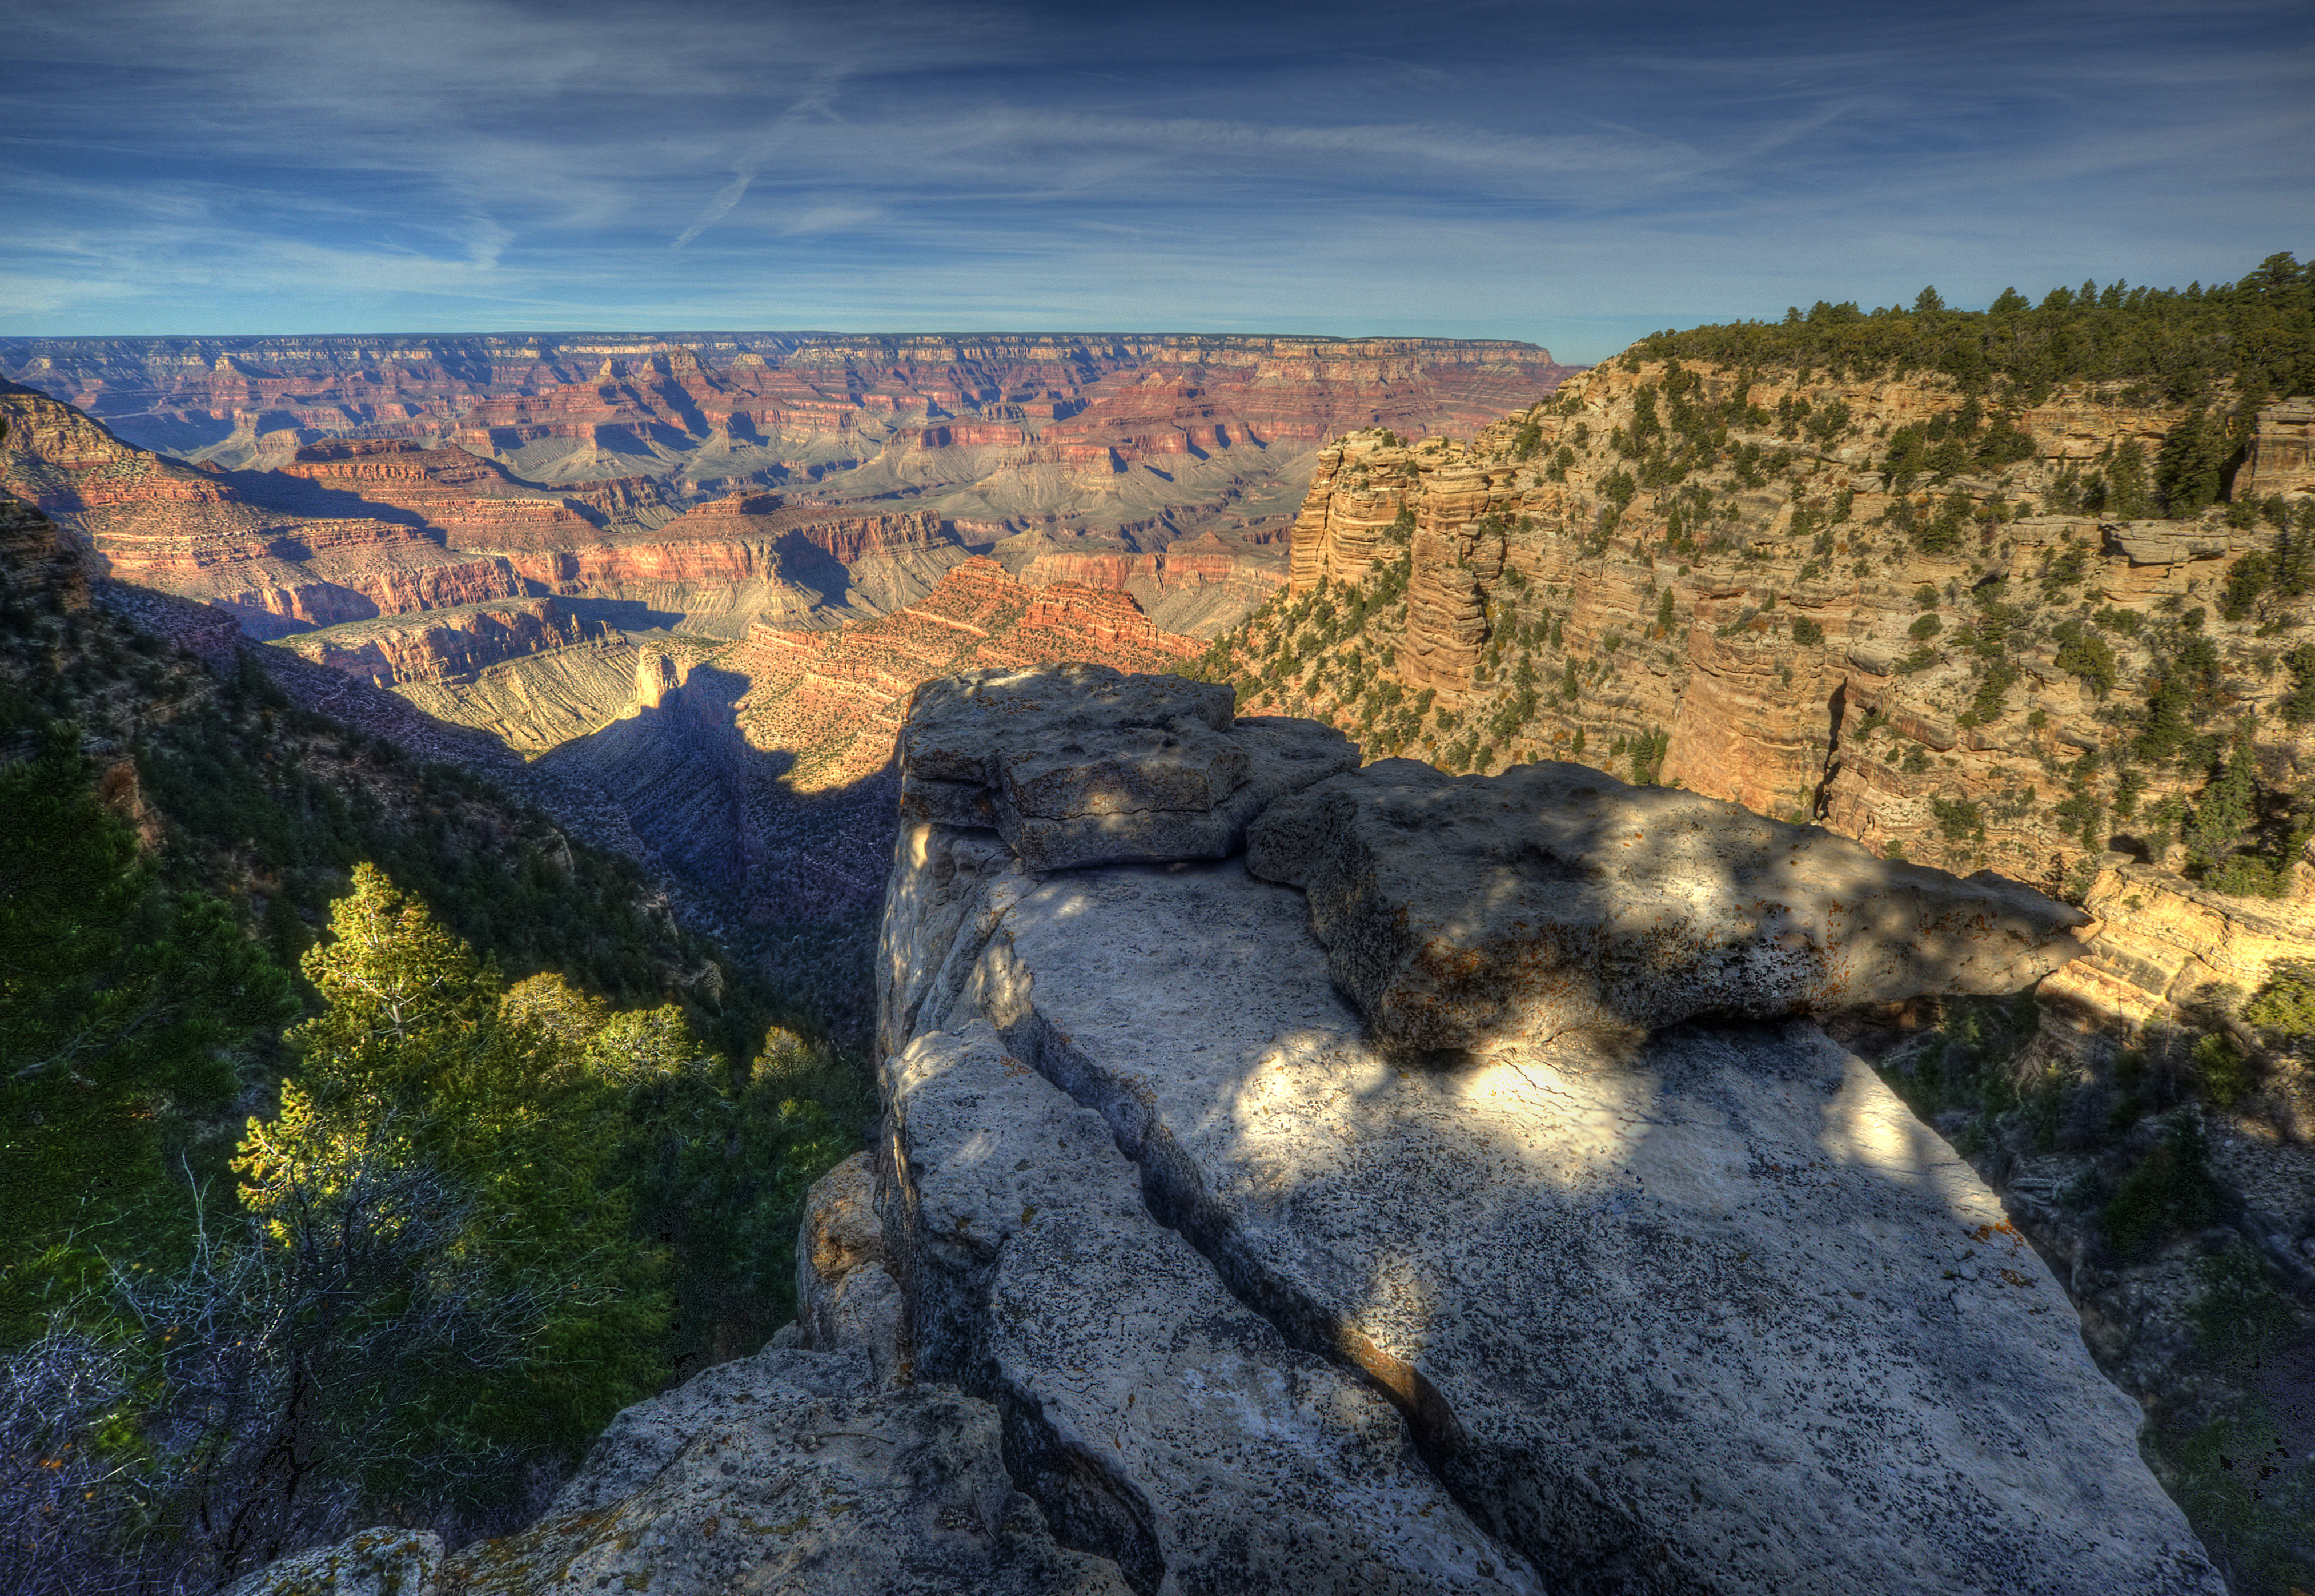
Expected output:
(2187, 471)
(2127, 495)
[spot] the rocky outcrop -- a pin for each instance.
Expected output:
(1083, 765)
(381, 1562)
(437, 646)
(845, 1295)
(793, 1470)
(2281, 458)
(1701, 1309)
(1461, 911)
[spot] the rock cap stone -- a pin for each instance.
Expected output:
(1458, 910)
(1077, 764)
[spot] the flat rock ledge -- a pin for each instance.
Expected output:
(1078, 765)
(1460, 911)
(1702, 1310)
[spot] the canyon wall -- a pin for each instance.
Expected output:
(705, 484)
(1960, 668)
(1102, 399)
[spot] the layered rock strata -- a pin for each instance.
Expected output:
(636, 472)
(802, 399)
(1788, 628)
(442, 644)
(835, 696)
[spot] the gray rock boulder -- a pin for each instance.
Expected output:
(789, 1471)
(1078, 765)
(383, 1562)
(845, 1295)
(1457, 911)
(1705, 1311)
(1157, 1419)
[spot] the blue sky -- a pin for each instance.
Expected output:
(1575, 176)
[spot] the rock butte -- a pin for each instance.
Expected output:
(1246, 1299)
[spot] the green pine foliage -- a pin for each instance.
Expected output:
(2259, 330)
(125, 1010)
(533, 1152)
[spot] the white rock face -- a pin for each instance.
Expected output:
(1705, 1309)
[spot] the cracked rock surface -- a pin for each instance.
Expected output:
(1457, 910)
(790, 1471)
(1079, 765)
(1705, 1311)
(381, 1562)
(1153, 1414)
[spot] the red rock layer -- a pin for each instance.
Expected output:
(1070, 399)
(833, 698)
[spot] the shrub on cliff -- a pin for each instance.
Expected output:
(2084, 653)
(2169, 1190)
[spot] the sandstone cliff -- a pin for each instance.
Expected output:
(1962, 670)
(1148, 439)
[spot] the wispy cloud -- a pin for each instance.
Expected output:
(253, 164)
(718, 208)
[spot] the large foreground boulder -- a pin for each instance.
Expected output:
(1707, 1310)
(1495, 1099)
(1458, 910)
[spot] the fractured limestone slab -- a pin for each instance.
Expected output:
(1709, 1311)
(1455, 910)
(1153, 1416)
